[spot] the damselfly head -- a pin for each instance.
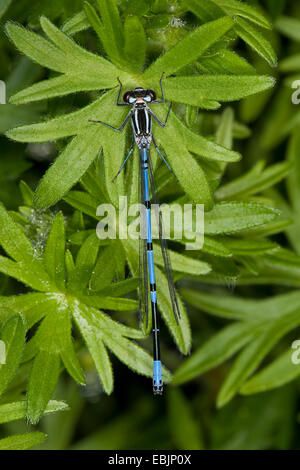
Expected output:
(139, 94)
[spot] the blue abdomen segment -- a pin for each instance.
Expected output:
(157, 378)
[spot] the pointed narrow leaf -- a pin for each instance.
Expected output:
(280, 372)
(93, 339)
(61, 86)
(215, 351)
(17, 410)
(85, 262)
(252, 356)
(250, 184)
(13, 336)
(134, 34)
(13, 239)
(4, 6)
(204, 147)
(235, 217)
(189, 173)
(22, 441)
(68, 168)
(289, 26)
(256, 40)
(238, 8)
(189, 48)
(189, 90)
(42, 382)
(76, 23)
(113, 39)
(37, 48)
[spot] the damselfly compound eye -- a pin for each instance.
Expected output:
(126, 97)
(131, 99)
(152, 94)
(148, 98)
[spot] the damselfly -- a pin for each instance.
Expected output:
(141, 120)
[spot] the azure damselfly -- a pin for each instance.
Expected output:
(141, 120)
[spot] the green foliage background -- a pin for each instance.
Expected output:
(68, 302)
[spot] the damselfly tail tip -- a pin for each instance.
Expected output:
(157, 378)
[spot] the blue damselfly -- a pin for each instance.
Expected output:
(141, 120)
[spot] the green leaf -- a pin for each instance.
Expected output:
(192, 90)
(218, 349)
(183, 426)
(278, 373)
(82, 201)
(289, 27)
(31, 306)
(233, 217)
(66, 57)
(17, 410)
(203, 147)
(31, 274)
(189, 48)
(182, 263)
(68, 168)
(12, 238)
(190, 175)
(43, 379)
(239, 308)
(224, 135)
(252, 356)
(54, 255)
(60, 86)
(76, 23)
(290, 64)
(205, 10)
(93, 339)
(54, 336)
(223, 306)
(256, 40)
(134, 34)
(4, 7)
(133, 356)
(27, 193)
(22, 441)
(85, 262)
(253, 183)
(226, 61)
(75, 123)
(38, 49)
(104, 270)
(235, 7)
(121, 288)
(249, 247)
(13, 336)
(215, 248)
(112, 38)
(110, 303)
